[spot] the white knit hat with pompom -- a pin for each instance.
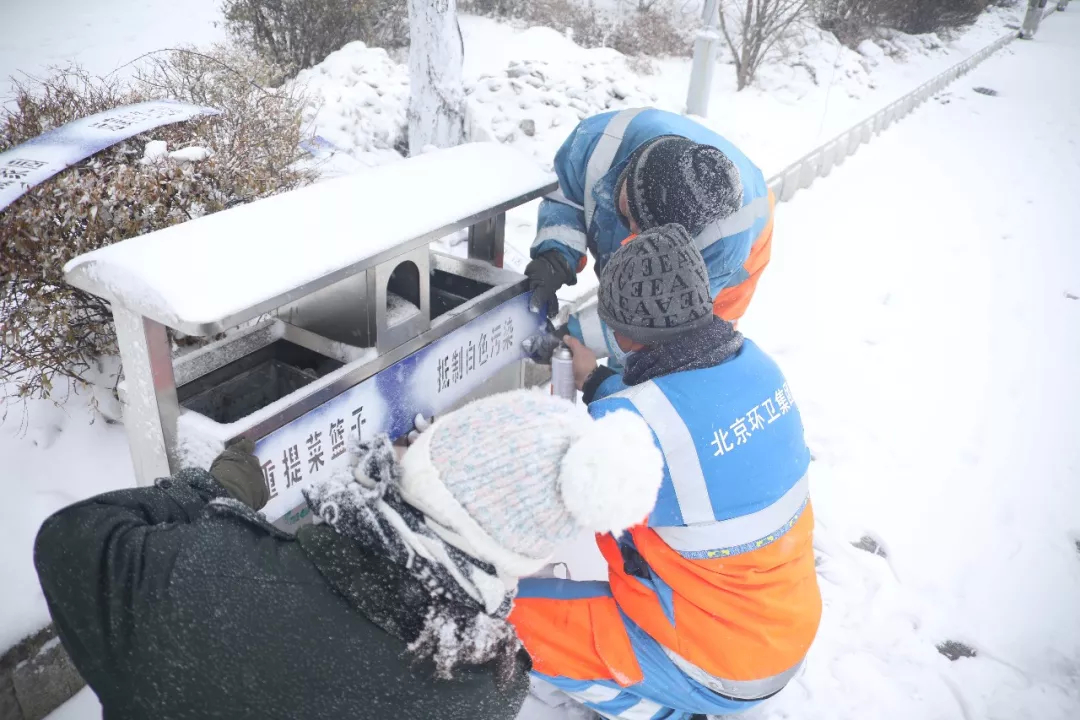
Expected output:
(513, 475)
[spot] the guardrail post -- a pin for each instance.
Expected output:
(1031, 19)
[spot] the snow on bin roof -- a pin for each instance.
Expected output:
(217, 271)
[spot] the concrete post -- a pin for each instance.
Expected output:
(1031, 19)
(701, 72)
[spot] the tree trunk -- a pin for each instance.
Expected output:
(437, 98)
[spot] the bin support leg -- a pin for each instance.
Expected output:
(152, 408)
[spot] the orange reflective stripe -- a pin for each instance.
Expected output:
(582, 639)
(745, 617)
(628, 239)
(582, 263)
(731, 302)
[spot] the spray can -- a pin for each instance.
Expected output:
(562, 374)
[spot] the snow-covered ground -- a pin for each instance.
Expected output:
(921, 301)
(102, 35)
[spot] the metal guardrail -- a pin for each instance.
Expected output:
(820, 162)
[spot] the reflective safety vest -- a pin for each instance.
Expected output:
(581, 217)
(722, 575)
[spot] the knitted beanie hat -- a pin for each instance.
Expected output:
(655, 288)
(514, 475)
(670, 179)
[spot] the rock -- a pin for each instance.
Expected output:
(45, 681)
(528, 126)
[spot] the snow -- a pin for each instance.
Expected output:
(83, 706)
(53, 456)
(155, 150)
(398, 309)
(102, 35)
(191, 154)
(270, 247)
(358, 99)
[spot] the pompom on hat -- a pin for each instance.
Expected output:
(514, 475)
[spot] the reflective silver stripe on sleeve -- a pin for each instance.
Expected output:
(739, 221)
(741, 534)
(679, 450)
(592, 330)
(737, 689)
(603, 155)
(595, 694)
(564, 234)
(641, 710)
(558, 196)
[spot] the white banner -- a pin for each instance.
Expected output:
(27, 165)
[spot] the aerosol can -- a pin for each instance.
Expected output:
(562, 374)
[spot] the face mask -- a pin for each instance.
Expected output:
(617, 356)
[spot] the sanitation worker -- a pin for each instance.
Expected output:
(627, 171)
(180, 601)
(712, 603)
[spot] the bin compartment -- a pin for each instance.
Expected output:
(448, 291)
(252, 382)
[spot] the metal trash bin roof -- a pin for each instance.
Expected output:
(217, 271)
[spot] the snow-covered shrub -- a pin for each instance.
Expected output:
(298, 34)
(855, 20)
(852, 21)
(926, 16)
(650, 27)
(51, 333)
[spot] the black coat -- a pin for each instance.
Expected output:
(173, 606)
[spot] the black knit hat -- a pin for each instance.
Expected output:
(655, 288)
(670, 179)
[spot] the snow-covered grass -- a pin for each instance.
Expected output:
(52, 456)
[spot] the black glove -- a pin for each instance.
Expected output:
(548, 272)
(239, 472)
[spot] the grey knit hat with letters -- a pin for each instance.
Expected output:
(655, 288)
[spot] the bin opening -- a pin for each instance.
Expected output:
(449, 291)
(254, 381)
(403, 293)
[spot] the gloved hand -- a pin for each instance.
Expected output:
(239, 472)
(547, 273)
(540, 347)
